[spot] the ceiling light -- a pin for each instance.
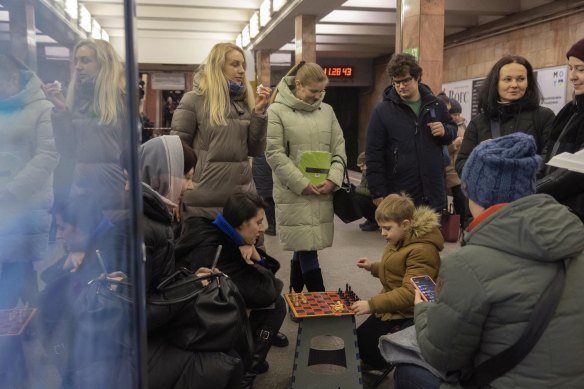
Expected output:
(245, 36)
(104, 35)
(95, 29)
(254, 25)
(265, 14)
(84, 18)
(278, 4)
(71, 8)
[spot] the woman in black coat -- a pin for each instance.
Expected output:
(568, 136)
(509, 101)
(236, 230)
(167, 167)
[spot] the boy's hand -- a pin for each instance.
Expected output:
(364, 263)
(418, 297)
(361, 307)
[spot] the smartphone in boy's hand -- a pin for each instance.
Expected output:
(426, 286)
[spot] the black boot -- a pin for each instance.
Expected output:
(296, 283)
(262, 344)
(314, 281)
(296, 279)
(271, 217)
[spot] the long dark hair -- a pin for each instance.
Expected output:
(489, 93)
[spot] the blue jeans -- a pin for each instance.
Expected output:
(414, 377)
(308, 260)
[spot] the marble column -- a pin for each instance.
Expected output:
(263, 71)
(420, 31)
(305, 38)
(23, 33)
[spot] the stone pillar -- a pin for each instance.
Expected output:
(420, 31)
(263, 71)
(305, 38)
(23, 33)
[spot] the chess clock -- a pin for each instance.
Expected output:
(338, 72)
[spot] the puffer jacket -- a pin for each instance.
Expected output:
(96, 151)
(417, 255)
(402, 154)
(27, 161)
(196, 248)
(567, 136)
(490, 286)
(158, 238)
(514, 117)
(222, 151)
(262, 177)
(304, 222)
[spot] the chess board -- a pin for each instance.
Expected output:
(317, 304)
(14, 321)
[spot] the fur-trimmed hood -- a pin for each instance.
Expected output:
(425, 228)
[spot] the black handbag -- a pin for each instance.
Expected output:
(345, 205)
(211, 317)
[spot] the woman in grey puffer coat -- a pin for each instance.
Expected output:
(27, 161)
(221, 122)
(89, 124)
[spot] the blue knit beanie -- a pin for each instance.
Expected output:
(501, 170)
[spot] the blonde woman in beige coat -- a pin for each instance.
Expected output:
(299, 123)
(225, 125)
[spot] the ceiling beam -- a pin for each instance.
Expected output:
(547, 11)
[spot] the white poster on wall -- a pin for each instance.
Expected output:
(168, 81)
(553, 84)
(461, 91)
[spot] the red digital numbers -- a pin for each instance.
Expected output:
(339, 71)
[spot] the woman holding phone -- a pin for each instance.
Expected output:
(89, 124)
(225, 125)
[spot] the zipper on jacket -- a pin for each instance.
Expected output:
(395, 157)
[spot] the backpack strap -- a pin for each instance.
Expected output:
(539, 319)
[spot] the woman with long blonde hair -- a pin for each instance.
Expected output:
(225, 125)
(88, 123)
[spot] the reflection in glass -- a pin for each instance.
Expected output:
(66, 284)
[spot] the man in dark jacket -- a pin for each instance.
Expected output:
(405, 137)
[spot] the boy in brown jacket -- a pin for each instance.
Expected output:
(413, 244)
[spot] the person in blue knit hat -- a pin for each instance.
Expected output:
(500, 171)
(488, 289)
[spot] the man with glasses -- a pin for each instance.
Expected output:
(405, 138)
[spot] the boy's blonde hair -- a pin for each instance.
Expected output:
(395, 208)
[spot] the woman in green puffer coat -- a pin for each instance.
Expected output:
(300, 124)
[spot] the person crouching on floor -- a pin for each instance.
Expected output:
(236, 230)
(413, 244)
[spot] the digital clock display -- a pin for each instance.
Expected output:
(338, 71)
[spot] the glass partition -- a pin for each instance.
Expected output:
(71, 262)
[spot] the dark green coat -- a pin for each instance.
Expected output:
(490, 287)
